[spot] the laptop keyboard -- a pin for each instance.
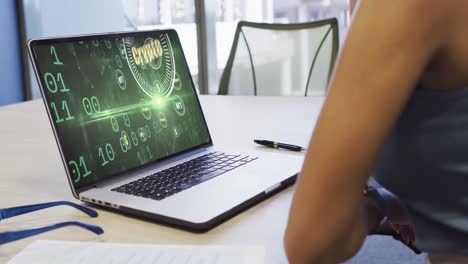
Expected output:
(165, 183)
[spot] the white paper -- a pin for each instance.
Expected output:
(50, 252)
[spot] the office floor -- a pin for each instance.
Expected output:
(385, 250)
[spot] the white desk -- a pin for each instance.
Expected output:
(31, 172)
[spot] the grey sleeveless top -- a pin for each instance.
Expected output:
(425, 162)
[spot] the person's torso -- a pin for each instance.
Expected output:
(448, 69)
(425, 162)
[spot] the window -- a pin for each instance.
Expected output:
(160, 14)
(71, 17)
(229, 12)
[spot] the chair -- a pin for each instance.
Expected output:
(281, 59)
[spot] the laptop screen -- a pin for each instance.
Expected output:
(119, 102)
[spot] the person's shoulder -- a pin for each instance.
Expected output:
(436, 17)
(423, 10)
(436, 10)
(427, 18)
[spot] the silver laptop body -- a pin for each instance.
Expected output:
(124, 111)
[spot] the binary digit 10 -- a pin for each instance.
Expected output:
(108, 156)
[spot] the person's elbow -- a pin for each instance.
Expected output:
(297, 251)
(300, 249)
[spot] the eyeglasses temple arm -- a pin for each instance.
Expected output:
(14, 211)
(16, 235)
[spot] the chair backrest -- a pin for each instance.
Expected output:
(281, 59)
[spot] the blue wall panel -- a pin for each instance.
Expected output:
(11, 84)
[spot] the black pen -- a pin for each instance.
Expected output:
(278, 145)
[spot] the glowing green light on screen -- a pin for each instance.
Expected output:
(157, 101)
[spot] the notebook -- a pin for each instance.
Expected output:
(133, 137)
(49, 252)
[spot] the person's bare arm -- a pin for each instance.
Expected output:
(388, 47)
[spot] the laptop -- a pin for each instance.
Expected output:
(132, 135)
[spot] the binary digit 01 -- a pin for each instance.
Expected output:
(108, 156)
(79, 170)
(52, 82)
(53, 52)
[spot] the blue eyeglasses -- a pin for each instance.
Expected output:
(7, 237)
